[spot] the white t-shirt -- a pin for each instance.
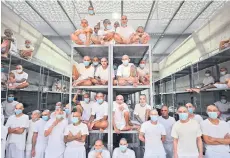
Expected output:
(19, 77)
(23, 47)
(224, 78)
(39, 128)
(216, 131)
(127, 154)
(56, 144)
(208, 80)
(3, 77)
(141, 111)
(82, 128)
(153, 143)
(119, 117)
(30, 131)
(18, 139)
(222, 107)
(124, 71)
(9, 108)
(105, 154)
(198, 118)
(168, 124)
(187, 134)
(103, 73)
(100, 110)
(142, 72)
(85, 72)
(87, 109)
(125, 32)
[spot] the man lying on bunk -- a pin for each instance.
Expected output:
(101, 76)
(83, 73)
(143, 73)
(127, 73)
(82, 36)
(140, 36)
(100, 109)
(121, 117)
(223, 84)
(19, 80)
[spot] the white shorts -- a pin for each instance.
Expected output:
(221, 86)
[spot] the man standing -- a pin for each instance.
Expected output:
(54, 130)
(216, 135)
(191, 114)
(9, 105)
(187, 136)
(123, 151)
(17, 125)
(153, 134)
(168, 122)
(39, 141)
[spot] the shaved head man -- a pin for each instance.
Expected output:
(191, 114)
(140, 36)
(123, 151)
(17, 125)
(99, 151)
(186, 142)
(143, 73)
(216, 134)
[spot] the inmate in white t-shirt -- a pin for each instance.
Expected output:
(103, 73)
(141, 111)
(105, 154)
(18, 139)
(224, 78)
(18, 76)
(216, 131)
(153, 143)
(9, 108)
(222, 107)
(124, 71)
(198, 118)
(208, 80)
(187, 134)
(127, 154)
(85, 72)
(30, 135)
(87, 109)
(142, 72)
(125, 32)
(119, 117)
(100, 110)
(39, 128)
(168, 124)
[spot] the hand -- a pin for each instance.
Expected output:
(17, 128)
(175, 156)
(78, 136)
(200, 156)
(33, 153)
(227, 136)
(121, 107)
(117, 131)
(98, 155)
(55, 123)
(70, 134)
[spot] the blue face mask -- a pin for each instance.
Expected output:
(100, 101)
(75, 120)
(2, 69)
(125, 62)
(67, 111)
(154, 118)
(213, 115)
(91, 12)
(123, 148)
(58, 116)
(86, 100)
(86, 63)
(183, 116)
(95, 63)
(98, 150)
(109, 27)
(45, 118)
(18, 111)
(10, 99)
(190, 110)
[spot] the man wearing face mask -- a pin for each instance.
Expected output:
(224, 107)
(99, 151)
(21, 77)
(92, 18)
(142, 110)
(191, 115)
(34, 118)
(74, 137)
(96, 63)
(216, 135)
(143, 73)
(168, 122)
(57, 86)
(127, 73)
(186, 135)
(26, 51)
(116, 25)
(54, 130)
(39, 141)
(96, 37)
(83, 73)
(108, 33)
(153, 134)
(123, 151)
(87, 105)
(57, 106)
(17, 125)
(140, 36)
(9, 105)
(124, 32)
(100, 109)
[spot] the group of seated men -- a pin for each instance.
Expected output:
(87, 74)
(62, 133)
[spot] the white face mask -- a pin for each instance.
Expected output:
(19, 70)
(223, 72)
(207, 75)
(224, 101)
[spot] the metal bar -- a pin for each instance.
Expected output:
(168, 24)
(150, 12)
(151, 76)
(122, 7)
(66, 14)
(7, 89)
(71, 78)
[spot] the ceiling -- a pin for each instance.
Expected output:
(168, 22)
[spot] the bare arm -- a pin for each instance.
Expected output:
(147, 114)
(16, 130)
(141, 137)
(114, 125)
(34, 139)
(216, 141)
(75, 98)
(91, 118)
(138, 118)
(20, 81)
(163, 137)
(50, 129)
(175, 143)
(80, 138)
(200, 145)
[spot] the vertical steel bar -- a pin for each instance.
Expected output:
(71, 78)
(151, 76)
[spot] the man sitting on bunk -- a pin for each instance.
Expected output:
(127, 73)
(101, 76)
(224, 44)
(20, 80)
(82, 36)
(223, 84)
(116, 25)
(83, 73)
(26, 51)
(8, 43)
(140, 36)
(100, 109)
(121, 117)
(96, 38)
(96, 63)
(124, 32)
(143, 73)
